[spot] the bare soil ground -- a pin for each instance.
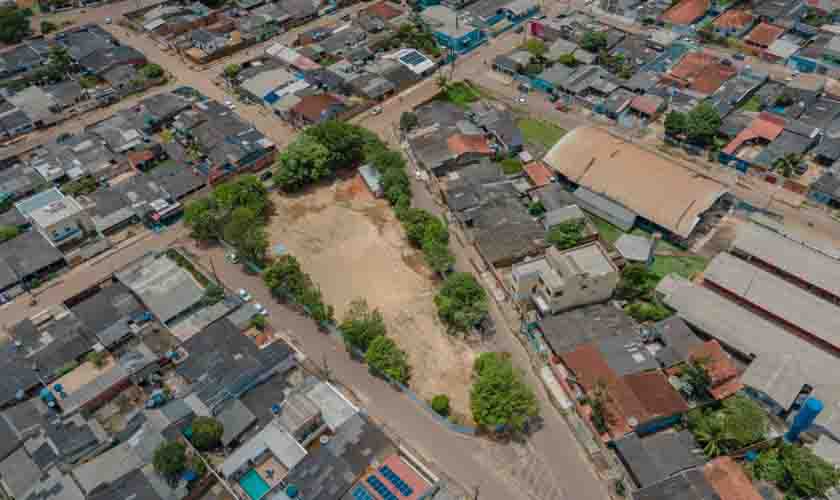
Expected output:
(353, 246)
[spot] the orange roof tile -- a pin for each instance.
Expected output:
(460, 144)
(733, 19)
(729, 480)
(722, 371)
(539, 173)
(383, 10)
(647, 104)
(764, 34)
(312, 106)
(686, 12)
(702, 72)
(658, 397)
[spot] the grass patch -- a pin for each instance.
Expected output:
(539, 132)
(461, 94)
(511, 166)
(751, 104)
(608, 232)
(685, 266)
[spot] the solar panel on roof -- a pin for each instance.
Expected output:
(361, 493)
(413, 58)
(380, 488)
(396, 480)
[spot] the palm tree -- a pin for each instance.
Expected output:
(442, 82)
(710, 431)
(788, 164)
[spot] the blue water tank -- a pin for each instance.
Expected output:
(804, 419)
(291, 491)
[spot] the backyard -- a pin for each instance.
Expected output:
(540, 133)
(353, 247)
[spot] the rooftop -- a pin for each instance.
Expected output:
(24, 256)
(622, 171)
(764, 34)
(658, 456)
(686, 11)
(565, 331)
(163, 286)
(733, 19)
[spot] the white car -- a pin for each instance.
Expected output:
(522, 99)
(108, 20)
(376, 111)
(244, 295)
(262, 311)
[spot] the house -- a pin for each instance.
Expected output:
(223, 363)
(736, 91)
(648, 107)
(588, 157)
(60, 219)
(636, 249)
(178, 181)
(567, 330)
(505, 233)
(451, 31)
(23, 58)
(636, 51)
(568, 279)
(314, 109)
(165, 288)
(538, 174)
(441, 149)
(653, 458)
(733, 23)
(38, 106)
(686, 12)
(581, 81)
(25, 259)
(721, 479)
(640, 401)
(699, 72)
(780, 12)
(499, 124)
(19, 181)
(762, 36)
(121, 132)
(104, 60)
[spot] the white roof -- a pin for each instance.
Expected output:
(273, 438)
(412, 55)
(783, 48)
(796, 258)
(55, 212)
(776, 296)
(283, 53)
(263, 83)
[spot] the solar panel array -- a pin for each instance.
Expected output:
(379, 487)
(396, 480)
(361, 493)
(413, 58)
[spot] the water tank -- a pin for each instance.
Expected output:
(291, 491)
(804, 419)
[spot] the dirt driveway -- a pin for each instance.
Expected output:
(353, 246)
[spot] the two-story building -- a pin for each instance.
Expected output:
(452, 30)
(59, 218)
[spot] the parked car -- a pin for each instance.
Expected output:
(739, 56)
(376, 111)
(262, 311)
(244, 295)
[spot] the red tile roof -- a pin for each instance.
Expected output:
(765, 126)
(764, 34)
(686, 12)
(640, 397)
(733, 19)
(383, 10)
(658, 397)
(722, 371)
(460, 144)
(729, 480)
(647, 104)
(701, 72)
(312, 106)
(539, 173)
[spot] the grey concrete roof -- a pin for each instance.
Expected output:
(626, 354)
(593, 323)
(504, 230)
(20, 473)
(106, 307)
(605, 208)
(776, 296)
(678, 339)
(689, 485)
(236, 419)
(658, 456)
(163, 286)
(634, 248)
(790, 256)
(335, 408)
(560, 215)
(56, 486)
(25, 255)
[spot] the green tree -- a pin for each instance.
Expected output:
(48, 27)
(461, 302)
(245, 191)
(345, 142)
(788, 164)
(415, 222)
(170, 459)
(259, 322)
(14, 24)
(536, 48)
(203, 219)
(594, 41)
(213, 294)
(206, 433)
(232, 70)
(499, 398)
(303, 162)
(361, 325)
(696, 379)
(676, 123)
(285, 276)
(239, 225)
(568, 60)
(637, 281)
(437, 254)
(408, 121)
(738, 423)
(254, 244)
(440, 405)
(702, 124)
(97, 358)
(151, 71)
(644, 311)
(8, 232)
(808, 475)
(395, 185)
(384, 356)
(567, 234)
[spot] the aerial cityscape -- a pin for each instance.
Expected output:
(420, 250)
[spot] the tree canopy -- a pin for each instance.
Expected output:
(796, 470)
(594, 41)
(567, 234)
(206, 433)
(637, 281)
(536, 48)
(702, 124)
(737, 424)
(384, 356)
(675, 123)
(303, 162)
(362, 325)
(170, 459)
(151, 71)
(14, 24)
(499, 398)
(408, 120)
(232, 70)
(461, 302)
(8, 232)
(286, 280)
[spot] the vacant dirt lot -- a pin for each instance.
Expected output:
(353, 246)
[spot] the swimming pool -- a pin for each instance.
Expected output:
(254, 485)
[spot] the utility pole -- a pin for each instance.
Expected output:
(475, 492)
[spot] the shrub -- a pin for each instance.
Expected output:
(643, 311)
(8, 232)
(151, 71)
(567, 234)
(361, 325)
(440, 404)
(97, 358)
(170, 459)
(385, 357)
(461, 302)
(499, 398)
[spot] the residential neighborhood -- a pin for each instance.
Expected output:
(379, 249)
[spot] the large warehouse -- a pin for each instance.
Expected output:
(661, 192)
